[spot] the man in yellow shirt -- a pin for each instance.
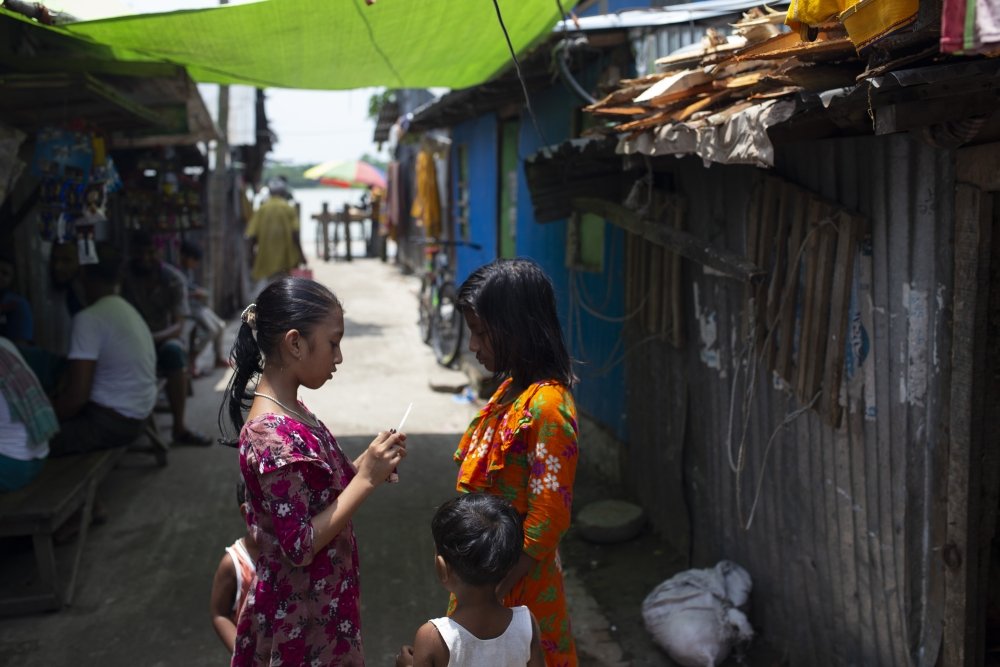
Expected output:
(274, 234)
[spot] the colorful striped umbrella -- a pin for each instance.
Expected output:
(346, 174)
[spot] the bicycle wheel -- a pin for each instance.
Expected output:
(426, 310)
(446, 336)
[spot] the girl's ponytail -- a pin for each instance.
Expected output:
(247, 361)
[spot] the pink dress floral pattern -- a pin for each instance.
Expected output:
(298, 612)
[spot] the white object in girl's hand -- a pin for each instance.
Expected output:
(399, 429)
(394, 476)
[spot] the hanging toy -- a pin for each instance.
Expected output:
(85, 245)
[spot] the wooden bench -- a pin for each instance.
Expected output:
(65, 485)
(157, 446)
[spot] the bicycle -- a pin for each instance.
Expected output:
(440, 321)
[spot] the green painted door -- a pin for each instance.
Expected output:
(507, 215)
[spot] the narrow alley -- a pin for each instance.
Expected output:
(142, 594)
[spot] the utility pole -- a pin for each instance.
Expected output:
(218, 194)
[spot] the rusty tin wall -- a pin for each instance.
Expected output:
(842, 545)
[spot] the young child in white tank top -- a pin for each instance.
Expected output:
(478, 538)
(236, 574)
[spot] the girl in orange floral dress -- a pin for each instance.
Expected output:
(523, 444)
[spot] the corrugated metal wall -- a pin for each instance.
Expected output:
(650, 44)
(843, 545)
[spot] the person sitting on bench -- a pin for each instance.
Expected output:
(27, 420)
(111, 376)
(158, 292)
(207, 325)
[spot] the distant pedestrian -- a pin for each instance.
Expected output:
(302, 490)
(523, 444)
(478, 540)
(236, 574)
(207, 326)
(274, 234)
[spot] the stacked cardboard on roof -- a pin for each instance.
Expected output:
(726, 75)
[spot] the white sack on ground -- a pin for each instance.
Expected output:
(695, 616)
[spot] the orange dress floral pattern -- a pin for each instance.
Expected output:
(526, 451)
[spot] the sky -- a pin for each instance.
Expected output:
(312, 126)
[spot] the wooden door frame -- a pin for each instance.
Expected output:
(973, 474)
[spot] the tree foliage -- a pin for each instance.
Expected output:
(292, 172)
(378, 100)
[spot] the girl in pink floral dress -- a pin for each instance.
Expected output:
(302, 491)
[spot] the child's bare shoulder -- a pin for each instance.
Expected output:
(227, 567)
(428, 635)
(429, 648)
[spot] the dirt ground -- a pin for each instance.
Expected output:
(142, 596)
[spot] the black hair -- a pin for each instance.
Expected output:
(191, 249)
(285, 304)
(108, 269)
(241, 491)
(517, 305)
(480, 536)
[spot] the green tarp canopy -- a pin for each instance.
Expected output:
(331, 44)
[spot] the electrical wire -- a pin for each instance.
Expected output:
(609, 271)
(561, 54)
(751, 361)
(577, 303)
(520, 76)
(789, 418)
(609, 318)
(562, 12)
(610, 365)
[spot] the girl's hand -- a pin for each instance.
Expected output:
(382, 456)
(405, 656)
(520, 570)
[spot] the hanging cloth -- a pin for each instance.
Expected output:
(426, 209)
(866, 21)
(970, 26)
(393, 200)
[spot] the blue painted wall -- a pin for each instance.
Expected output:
(479, 136)
(594, 342)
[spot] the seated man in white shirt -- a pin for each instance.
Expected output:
(111, 386)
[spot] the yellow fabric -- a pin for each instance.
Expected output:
(865, 21)
(275, 225)
(813, 12)
(426, 209)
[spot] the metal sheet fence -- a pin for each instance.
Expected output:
(841, 544)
